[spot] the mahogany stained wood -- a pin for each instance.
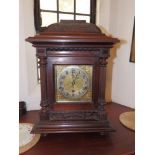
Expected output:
(121, 142)
(72, 43)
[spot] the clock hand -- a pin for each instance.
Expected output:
(73, 83)
(74, 78)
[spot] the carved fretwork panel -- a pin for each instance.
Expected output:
(77, 115)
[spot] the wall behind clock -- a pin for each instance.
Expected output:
(121, 26)
(116, 18)
(113, 17)
(29, 89)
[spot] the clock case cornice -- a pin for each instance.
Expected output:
(71, 38)
(74, 34)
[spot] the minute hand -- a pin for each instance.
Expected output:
(74, 79)
(73, 83)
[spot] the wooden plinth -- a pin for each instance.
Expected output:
(72, 127)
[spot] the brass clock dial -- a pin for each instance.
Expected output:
(73, 83)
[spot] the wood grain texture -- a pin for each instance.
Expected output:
(121, 142)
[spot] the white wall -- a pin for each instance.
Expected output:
(103, 15)
(121, 26)
(114, 17)
(29, 89)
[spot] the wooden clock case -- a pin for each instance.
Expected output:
(72, 43)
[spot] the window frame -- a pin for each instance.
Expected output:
(38, 20)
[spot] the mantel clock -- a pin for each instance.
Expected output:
(73, 57)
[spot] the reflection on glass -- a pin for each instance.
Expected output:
(48, 4)
(83, 6)
(87, 18)
(66, 5)
(48, 18)
(65, 17)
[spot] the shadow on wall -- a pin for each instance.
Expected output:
(109, 74)
(113, 55)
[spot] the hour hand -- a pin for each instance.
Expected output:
(73, 83)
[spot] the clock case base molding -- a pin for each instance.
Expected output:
(74, 121)
(72, 127)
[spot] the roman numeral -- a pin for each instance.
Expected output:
(61, 88)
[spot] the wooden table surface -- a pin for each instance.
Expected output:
(121, 142)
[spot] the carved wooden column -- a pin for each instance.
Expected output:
(41, 54)
(102, 82)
